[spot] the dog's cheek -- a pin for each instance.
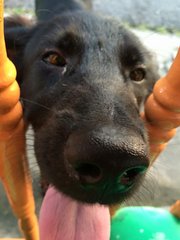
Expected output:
(49, 143)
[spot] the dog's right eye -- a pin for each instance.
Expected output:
(54, 58)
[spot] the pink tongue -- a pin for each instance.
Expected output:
(62, 218)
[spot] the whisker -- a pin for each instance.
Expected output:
(44, 10)
(35, 103)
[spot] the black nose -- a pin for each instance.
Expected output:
(107, 158)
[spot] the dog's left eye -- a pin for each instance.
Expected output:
(137, 74)
(54, 59)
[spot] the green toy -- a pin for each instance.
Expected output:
(144, 223)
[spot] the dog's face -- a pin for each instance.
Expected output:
(83, 81)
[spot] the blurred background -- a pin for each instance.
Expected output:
(157, 24)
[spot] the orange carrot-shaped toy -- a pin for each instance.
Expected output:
(13, 164)
(162, 114)
(162, 109)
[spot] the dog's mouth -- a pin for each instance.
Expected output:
(64, 218)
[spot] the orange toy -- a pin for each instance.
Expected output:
(13, 164)
(162, 114)
(162, 109)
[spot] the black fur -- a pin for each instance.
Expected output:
(89, 139)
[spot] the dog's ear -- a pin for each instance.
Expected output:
(18, 31)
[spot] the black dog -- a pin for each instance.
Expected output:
(83, 79)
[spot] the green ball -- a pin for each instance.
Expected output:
(144, 223)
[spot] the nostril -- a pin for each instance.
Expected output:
(128, 177)
(88, 173)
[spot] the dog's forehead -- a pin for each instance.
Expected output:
(86, 28)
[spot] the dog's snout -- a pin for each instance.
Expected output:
(103, 160)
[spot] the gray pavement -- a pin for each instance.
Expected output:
(161, 187)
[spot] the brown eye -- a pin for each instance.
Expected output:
(54, 59)
(137, 74)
